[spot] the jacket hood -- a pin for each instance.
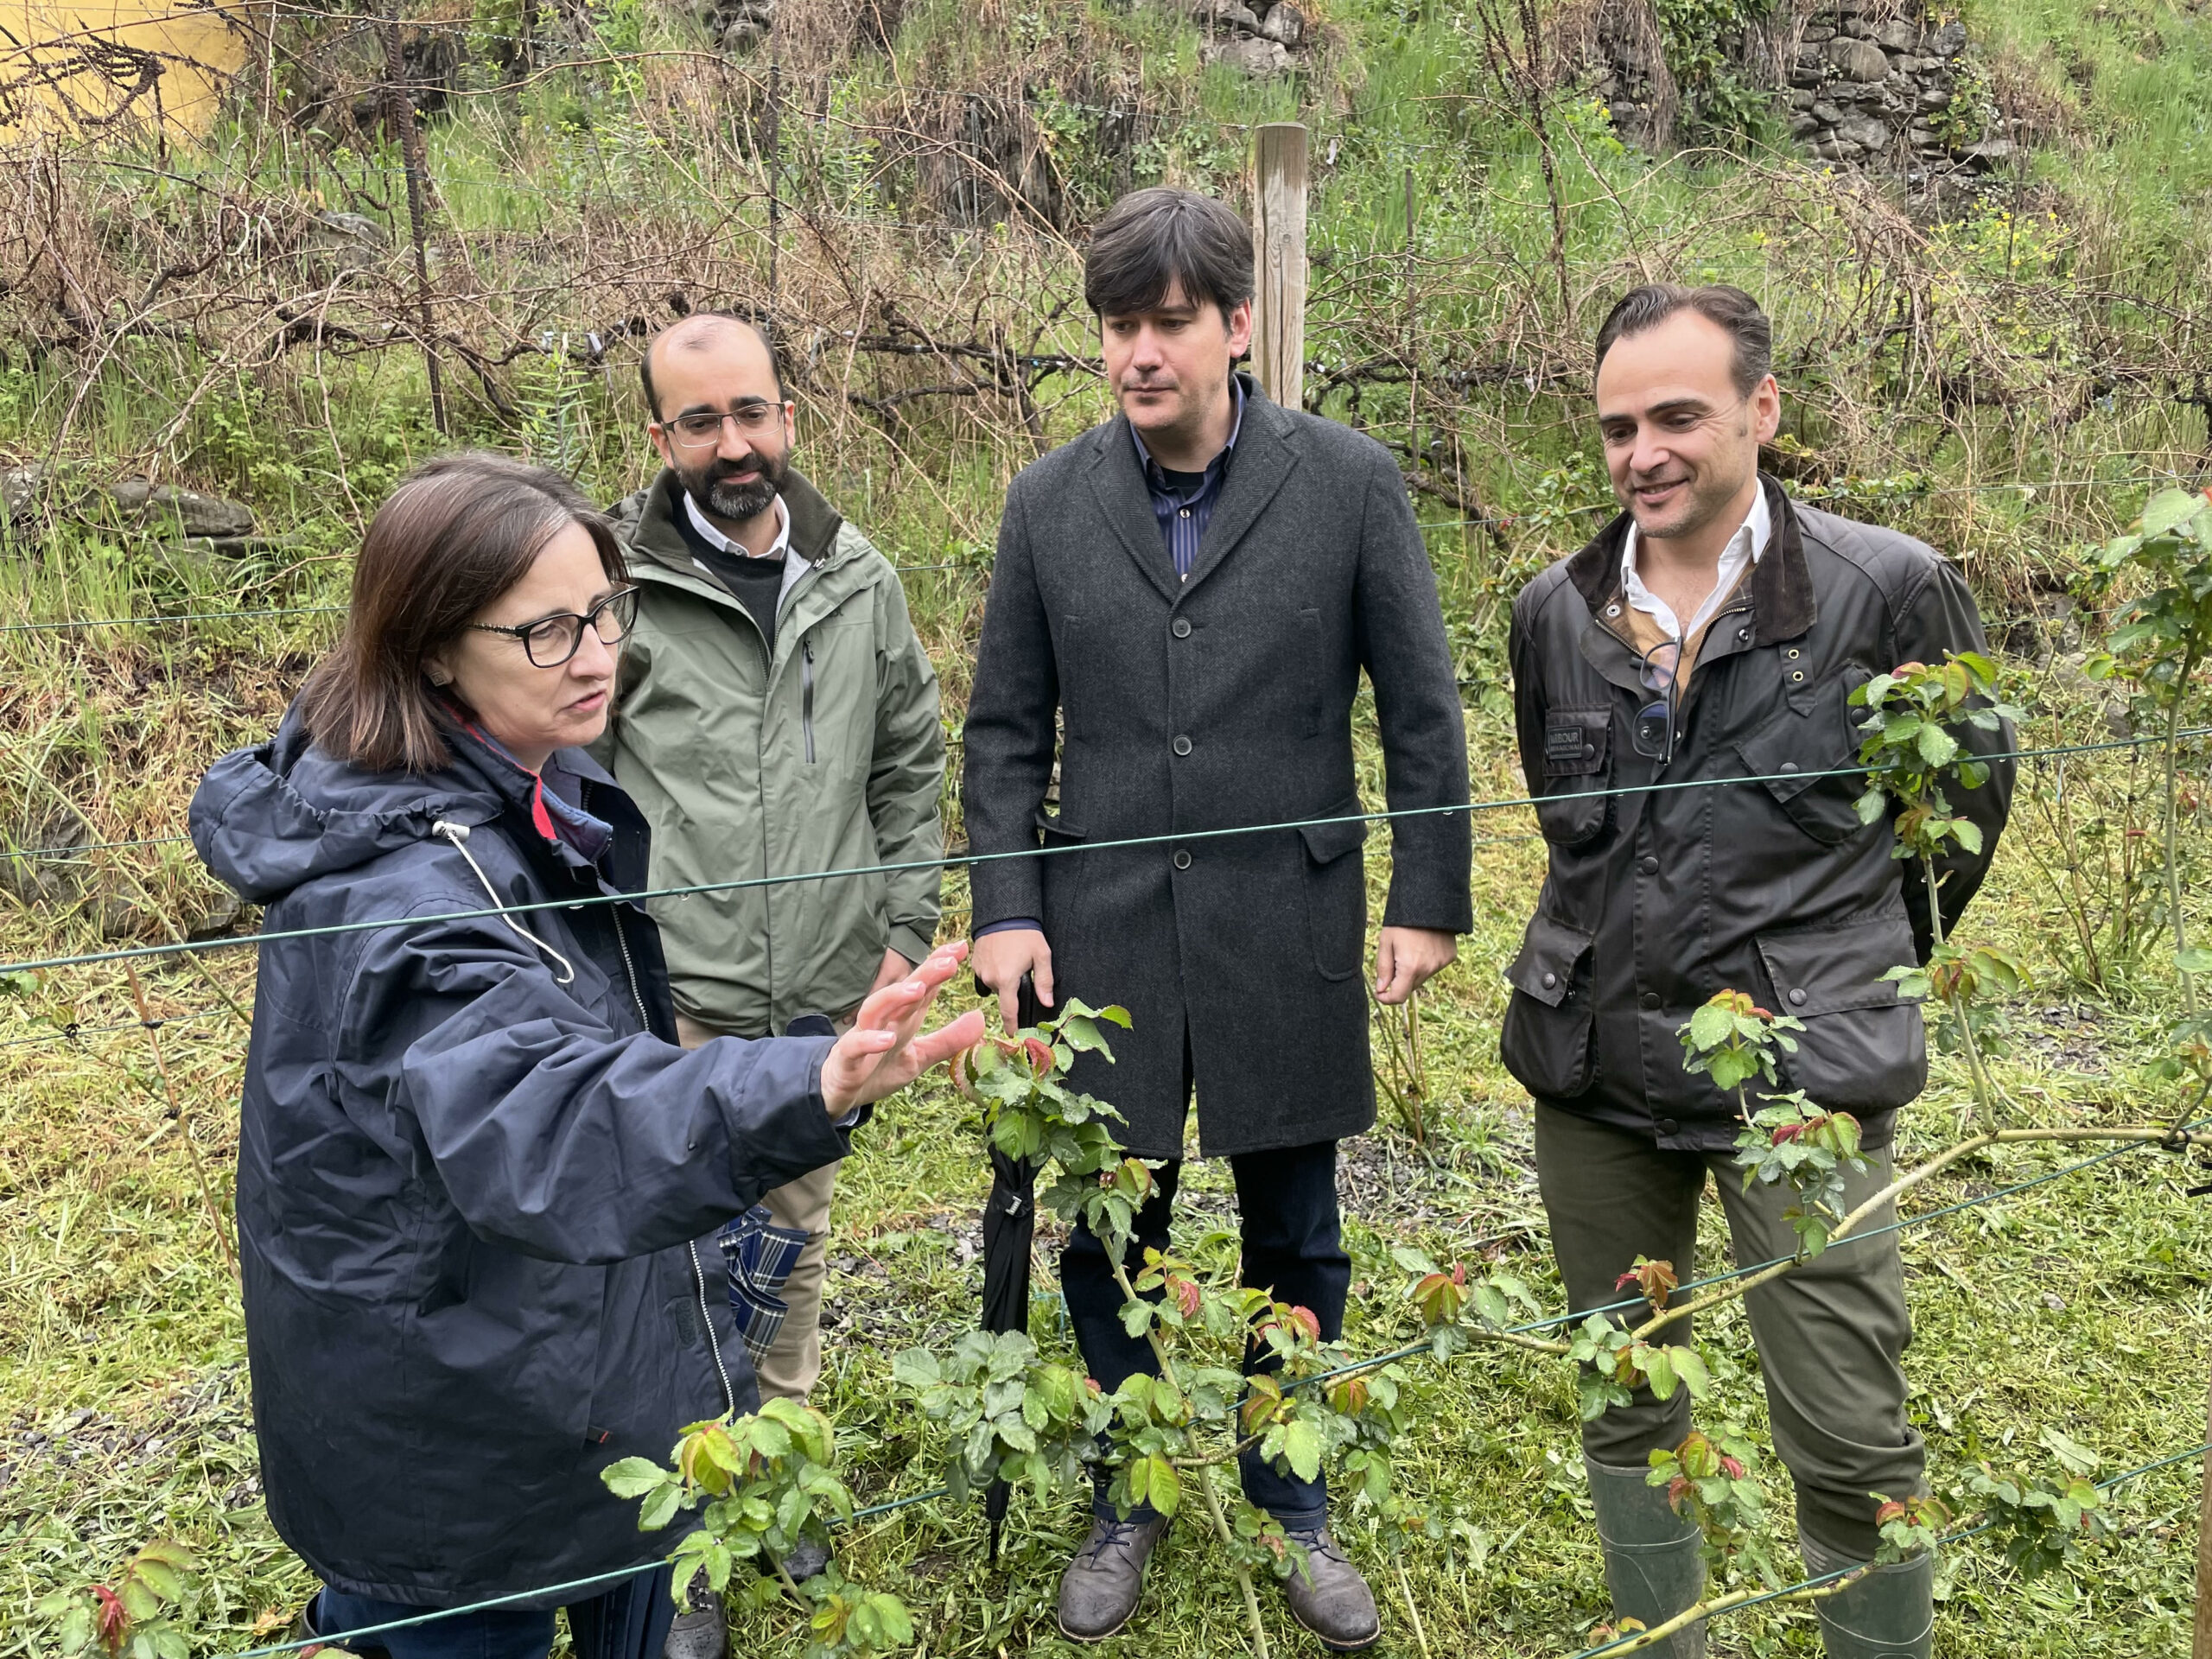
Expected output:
(266, 820)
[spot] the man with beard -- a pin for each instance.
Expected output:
(1715, 630)
(775, 716)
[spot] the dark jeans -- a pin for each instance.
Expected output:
(1292, 1247)
(628, 1620)
(1831, 1334)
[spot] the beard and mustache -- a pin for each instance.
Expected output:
(711, 485)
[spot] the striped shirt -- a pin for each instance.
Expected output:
(1184, 511)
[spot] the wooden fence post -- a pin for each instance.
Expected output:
(1279, 235)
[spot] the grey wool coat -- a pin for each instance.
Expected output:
(1222, 701)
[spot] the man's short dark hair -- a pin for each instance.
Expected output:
(1730, 309)
(645, 361)
(1151, 240)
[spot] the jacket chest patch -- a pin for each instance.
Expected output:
(1576, 741)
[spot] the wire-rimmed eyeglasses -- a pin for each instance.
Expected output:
(702, 429)
(1654, 736)
(552, 640)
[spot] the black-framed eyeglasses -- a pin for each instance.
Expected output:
(702, 428)
(552, 640)
(1654, 736)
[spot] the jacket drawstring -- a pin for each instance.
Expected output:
(457, 835)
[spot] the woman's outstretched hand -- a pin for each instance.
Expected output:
(885, 1049)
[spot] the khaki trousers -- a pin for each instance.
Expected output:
(792, 1363)
(1831, 1334)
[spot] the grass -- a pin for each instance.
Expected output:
(2084, 1305)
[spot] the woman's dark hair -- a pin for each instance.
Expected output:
(1729, 309)
(456, 533)
(1153, 239)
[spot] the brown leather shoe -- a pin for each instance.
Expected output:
(1334, 1603)
(1100, 1589)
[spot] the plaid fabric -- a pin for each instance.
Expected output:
(761, 1257)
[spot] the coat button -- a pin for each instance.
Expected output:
(1612, 610)
(1797, 997)
(1666, 1125)
(1182, 859)
(1182, 745)
(1793, 653)
(1797, 674)
(1180, 627)
(1743, 633)
(1648, 867)
(1551, 982)
(1648, 1000)
(1788, 765)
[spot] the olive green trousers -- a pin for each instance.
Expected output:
(1831, 1334)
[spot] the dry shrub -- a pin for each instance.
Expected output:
(2038, 106)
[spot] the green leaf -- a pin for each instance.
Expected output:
(1165, 1485)
(2076, 1459)
(1967, 833)
(1691, 1368)
(2169, 508)
(1659, 1372)
(916, 1368)
(1710, 1028)
(2194, 960)
(1301, 1444)
(659, 1509)
(632, 1477)
(894, 1624)
(1936, 746)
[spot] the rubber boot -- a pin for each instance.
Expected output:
(1888, 1614)
(1653, 1566)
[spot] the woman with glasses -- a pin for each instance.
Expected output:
(474, 1167)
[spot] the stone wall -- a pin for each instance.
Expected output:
(1863, 85)
(1881, 93)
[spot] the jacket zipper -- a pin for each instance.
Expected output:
(806, 697)
(622, 943)
(698, 1273)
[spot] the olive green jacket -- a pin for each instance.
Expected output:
(829, 756)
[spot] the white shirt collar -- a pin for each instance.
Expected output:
(715, 539)
(1746, 547)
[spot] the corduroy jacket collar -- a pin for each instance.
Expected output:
(1780, 586)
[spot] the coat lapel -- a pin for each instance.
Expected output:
(1264, 457)
(1124, 503)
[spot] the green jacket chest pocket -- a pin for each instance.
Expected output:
(1578, 765)
(835, 678)
(1804, 754)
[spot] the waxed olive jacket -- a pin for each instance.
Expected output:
(1659, 896)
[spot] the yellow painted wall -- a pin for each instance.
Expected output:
(50, 80)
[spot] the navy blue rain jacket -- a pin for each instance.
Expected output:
(475, 1202)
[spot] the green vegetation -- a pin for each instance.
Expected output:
(2011, 384)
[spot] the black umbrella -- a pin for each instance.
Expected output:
(1009, 1225)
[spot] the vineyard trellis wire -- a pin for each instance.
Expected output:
(895, 1505)
(2184, 1140)
(962, 861)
